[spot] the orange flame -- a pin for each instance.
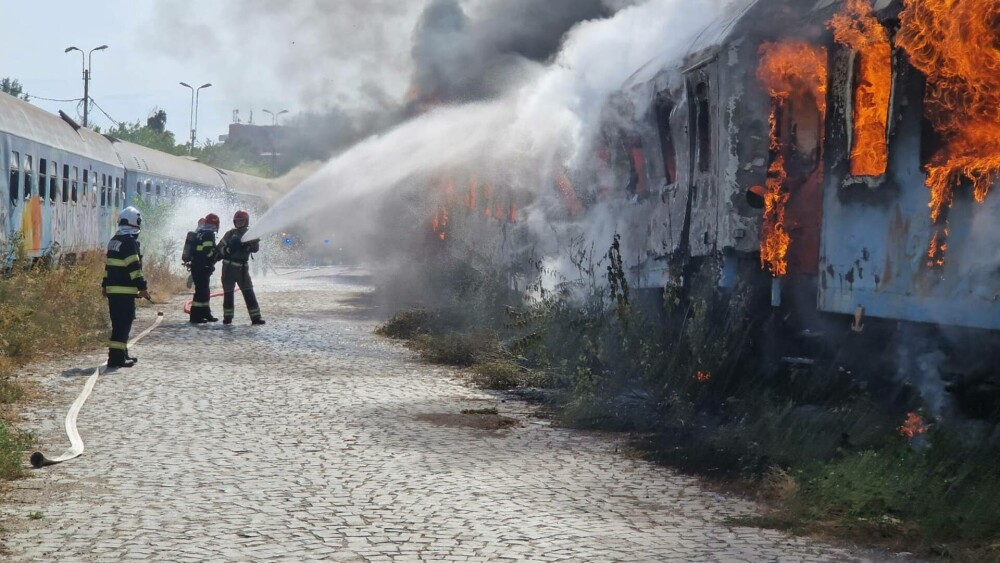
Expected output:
(790, 70)
(954, 43)
(470, 200)
(860, 30)
(512, 218)
(703, 376)
(565, 187)
(439, 223)
(913, 426)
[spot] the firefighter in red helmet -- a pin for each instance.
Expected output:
(236, 255)
(204, 255)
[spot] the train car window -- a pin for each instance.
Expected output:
(664, 108)
(53, 182)
(149, 189)
(157, 190)
(65, 183)
(76, 185)
(15, 176)
(86, 187)
(118, 192)
(104, 190)
(704, 123)
(28, 180)
(43, 171)
(138, 189)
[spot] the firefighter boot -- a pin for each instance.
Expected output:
(257, 321)
(118, 359)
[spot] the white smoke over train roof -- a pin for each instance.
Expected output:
(548, 116)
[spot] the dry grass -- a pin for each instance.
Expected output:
(163, 282)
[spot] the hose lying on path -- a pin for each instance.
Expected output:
(187, 304)
(38, 459)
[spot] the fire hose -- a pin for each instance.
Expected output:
(38, 459)
(187, 304)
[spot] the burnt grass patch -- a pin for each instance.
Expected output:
(686, 375)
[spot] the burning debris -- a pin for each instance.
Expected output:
(703, 376)
(794, 73)
(913, 426)
(859, 29)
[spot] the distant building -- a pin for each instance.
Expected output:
(265, 139)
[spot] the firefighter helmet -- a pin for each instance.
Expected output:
(212, 220)
(130, 217)
(241, 219)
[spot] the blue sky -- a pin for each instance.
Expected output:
(252, 51)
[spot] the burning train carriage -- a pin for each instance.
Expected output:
(849, 147)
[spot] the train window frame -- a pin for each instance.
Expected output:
(14, 185)
(149, 191)
(158, 190)
(29, 183)
(138, 190)
(703, 127)
(851, 94)
(663, 109)
(118, 193)
(75, 194)
(65, 183)
(53, 182)
(85, 188)
(104, 190)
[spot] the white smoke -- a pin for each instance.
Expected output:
(546, 119)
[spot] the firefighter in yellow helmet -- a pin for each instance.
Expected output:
(236, 269)
(123, 282)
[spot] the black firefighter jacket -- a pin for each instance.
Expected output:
(123, 270)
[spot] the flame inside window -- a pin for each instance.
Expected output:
(955, 45)
(858, 29)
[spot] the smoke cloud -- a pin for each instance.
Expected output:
(545, 119)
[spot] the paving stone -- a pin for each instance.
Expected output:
(309, 439)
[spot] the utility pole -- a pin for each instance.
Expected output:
(195, 96)
(87, 63)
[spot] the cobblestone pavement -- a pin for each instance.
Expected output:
(311, 438)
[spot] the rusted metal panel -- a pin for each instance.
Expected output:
(876, 235)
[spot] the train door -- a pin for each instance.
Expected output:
(798, 129)
(704, 193)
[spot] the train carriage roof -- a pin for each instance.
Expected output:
(28, 121)
(138, 158)
(247, 184)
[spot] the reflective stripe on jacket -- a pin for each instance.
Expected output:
(123, 267)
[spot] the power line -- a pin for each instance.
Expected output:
(113, 120)
(34, 97)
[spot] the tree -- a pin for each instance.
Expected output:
(13, 87)
(161, 140)
(157, 120)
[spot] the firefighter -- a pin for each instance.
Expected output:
(236, 255)
(204, 255)
(123, 282)
(188, 248)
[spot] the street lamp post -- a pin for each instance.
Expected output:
(274, 116)
(195, 96)
(86, 63)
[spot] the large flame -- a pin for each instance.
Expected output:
(858, 29)
(797, 71)
(956, 44)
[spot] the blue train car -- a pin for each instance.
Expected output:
(63, 183)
